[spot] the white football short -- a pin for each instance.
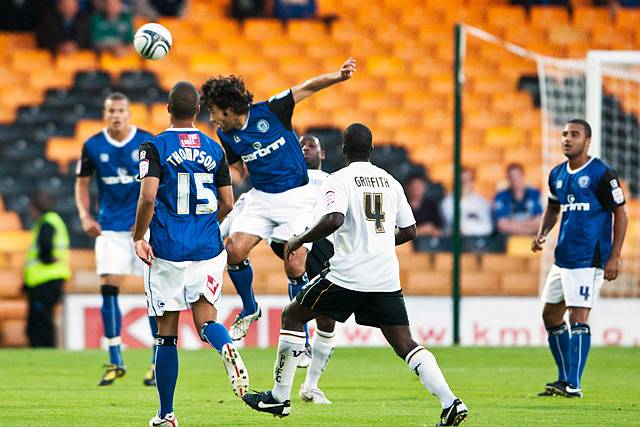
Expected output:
(175, 285)
(577, 287)
(225, 226)
(276, 217)
(115, 254)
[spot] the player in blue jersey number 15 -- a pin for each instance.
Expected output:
(185, 190)
(261, 136)
(588, 194)
(111, 155)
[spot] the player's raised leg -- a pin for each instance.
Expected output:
(241, 273)
(166, 364)
(277, 401)
(297, 278)
(424, 364)
(112, 324)
(322, 348)
(214, 333)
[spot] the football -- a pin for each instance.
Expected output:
(152, 41)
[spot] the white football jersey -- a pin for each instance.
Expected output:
(373, 204)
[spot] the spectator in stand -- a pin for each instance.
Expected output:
(241, 9)
(475, 220)
(426, 210)
(65, 29)
(112, 28)
(518, 207)
(294, 9)
(168, 7)
(21, 15)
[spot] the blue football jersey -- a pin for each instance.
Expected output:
(191, 166)
(587, 197)
(115, 165)
(269, 146)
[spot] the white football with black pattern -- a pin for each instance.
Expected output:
(152, 41)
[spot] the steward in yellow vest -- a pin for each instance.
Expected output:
(46, 269)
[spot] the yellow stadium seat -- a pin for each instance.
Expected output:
(87, 128)
(474, 154)
(43, 78)
(159, 115)
(83, 60)
(276, 48)
(427, 283)
(63, 151)
(549, 16)
(307, 31)
(479, 283)
(220, 29)
(441, 83)
(627, 19)
(211, 63)
(10, 221)
(27, 59)
(139, 111)
(506, 16)
(115, 65)
(589, 17)
(567, 35)
(505, 137)
(329, 7)
(385, 66)
(14, 96)
(519, 246)
(12, 241)
(520, 283)
(259, 29)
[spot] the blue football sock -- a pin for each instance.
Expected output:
(579, 346)
(295, 286)
(559, 344)
(242, 277)
(112, 322)
(166, 371)
(153, 325)
(215, 334)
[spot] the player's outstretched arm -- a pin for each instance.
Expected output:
(403, 235)
(144, 213)
(620, 222)
(313, 85)
(321, 229)
(549, 219)
(83, 200)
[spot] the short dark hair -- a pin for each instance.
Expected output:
(585, 125)
(311, 137)
(227, 92)
(357, 140)
(117, 96)
(515, 165)
(183, 100)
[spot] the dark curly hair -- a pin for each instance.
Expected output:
(227, 92)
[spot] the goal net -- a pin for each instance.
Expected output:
(605, 89)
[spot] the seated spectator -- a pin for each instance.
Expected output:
(168, 7)
(241, 9)
(292, 9)
(475, 215)
(425, 210)
(111, 28)
(65, 29)
(518, 207)
(21, 15)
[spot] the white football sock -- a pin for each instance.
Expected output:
(290, 347)
(424, 364)
(321, 349)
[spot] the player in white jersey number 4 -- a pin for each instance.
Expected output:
(368, 214)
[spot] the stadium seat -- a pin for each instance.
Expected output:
(10, 283)
(12, 309)
(567, 35)
(87, 128)
(220, 29)
(84, 60)
(548, 16)
(520, 283)
(506, 16)
(519, 246)
(427, 283)
(41, 79)
(25, 60)
(117, 64)
(12, 333)
(479, 283)
(260, 29)
(63, 151)
(307, 31)
(505, 137)
(10, 221)
(589, 17)
(627, 19)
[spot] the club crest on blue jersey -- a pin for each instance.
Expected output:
(104, 157)
(263, 125)
(584, 181)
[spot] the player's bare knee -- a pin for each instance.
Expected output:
(553, 315)
(295, 266)
(292, 317)
(578, 315)
(325, 324)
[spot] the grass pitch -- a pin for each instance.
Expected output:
(367, 386)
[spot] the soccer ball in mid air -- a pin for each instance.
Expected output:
(152, 41)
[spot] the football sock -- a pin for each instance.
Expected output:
(322, 348)
(424, 364)
(153, 325)
(242, 277)
(295, 285)
(112, 322)
(579, 345)
(166, 371)
(215, 334)
(290, 347)
(559, 344)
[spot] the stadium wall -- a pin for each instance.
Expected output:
(485, 321)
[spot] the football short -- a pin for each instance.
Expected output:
(276, 217)
(115, 254)
(225, 226)
(317, 259)
(338, 303)
(175, 285)
(577, 287)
